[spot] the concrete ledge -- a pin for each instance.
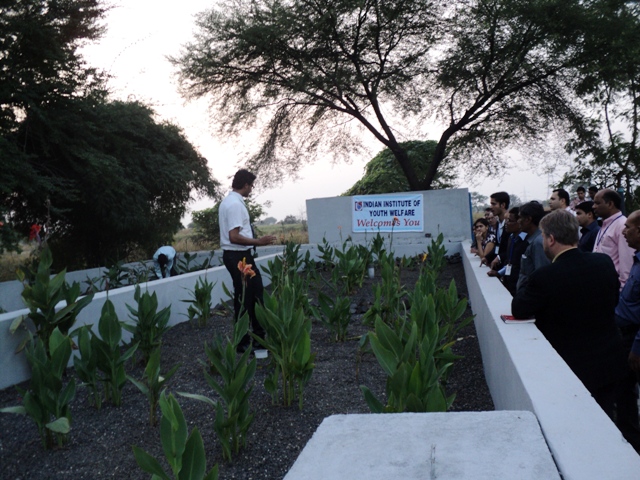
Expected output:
(524, 372)
(408, 446)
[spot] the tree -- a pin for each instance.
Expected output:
(490, 70)
(606, 146)
(39, 66)
(116, 180)
(383, 174)
(207, 226)
(478, 201)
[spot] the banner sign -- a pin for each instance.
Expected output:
(386, 213)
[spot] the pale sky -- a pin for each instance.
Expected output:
(141, 33)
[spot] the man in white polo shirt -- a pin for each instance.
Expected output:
(236, 240)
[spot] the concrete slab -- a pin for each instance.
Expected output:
(443, 446)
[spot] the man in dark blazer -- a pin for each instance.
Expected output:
(576, 317)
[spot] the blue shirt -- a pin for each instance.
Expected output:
(628, 308)
(588, 238)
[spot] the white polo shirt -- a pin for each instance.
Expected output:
(233, 213)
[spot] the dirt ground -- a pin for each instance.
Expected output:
(100, 442)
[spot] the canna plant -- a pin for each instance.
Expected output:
(288, 340)
(153, 383)
(41, 298)
(185, 455)
(201, 302)
(86, 364)
(110, 360)
(149, 324)
(47, 399)
(388, 294)
(334, 311)
(233, 416)
(413, 378)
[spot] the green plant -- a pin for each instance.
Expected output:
(436, 253)
(86, 364)
(350, 266)
(288, 340)
(285, 269)
(233, 417)
(201, 300)
(150, 325)
(47, 400)
(413, 379)
(116, 276)
(185, 455)
(153, 382)
(41, 299)
(110, 360)
(335, 313)
(184, 265)
(388, 295)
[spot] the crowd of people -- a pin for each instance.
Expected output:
(576, 270)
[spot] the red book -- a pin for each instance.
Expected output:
(512, 319)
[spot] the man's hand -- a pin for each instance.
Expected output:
(492, 273)
(266, 240)
(495, 263)
(634, 362)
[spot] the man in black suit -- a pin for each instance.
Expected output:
(576, 317)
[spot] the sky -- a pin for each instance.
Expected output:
(142, 33)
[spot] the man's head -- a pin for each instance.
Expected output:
(243, 182)
(499, 204)
(631, 230)
(559, 232)
(559, 199)
(512, 225)
(607, 203)
(584, 213)
(592, 192)
(581, 193)
(488, 213)
(529, 216)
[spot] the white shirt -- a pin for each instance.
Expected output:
(233, 213)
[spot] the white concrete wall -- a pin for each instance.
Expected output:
(10, 291)
(446, 211)
(524, 372)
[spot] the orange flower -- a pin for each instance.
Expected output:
(34, 233)
(245, 269)
(423, 257)
(396, 221)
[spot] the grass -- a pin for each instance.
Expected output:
(10, 261)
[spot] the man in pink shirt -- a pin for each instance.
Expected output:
(607, 204)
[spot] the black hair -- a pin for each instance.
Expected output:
(162, 261)
(515, 211)
(580, 189)
(612, 196)
(501, 197)
(483, 221)
(562, 193)
(533, 210)
(586, 207)
(242, 178)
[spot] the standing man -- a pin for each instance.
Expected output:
(499, 202)
(628, 321)
(508, 268)
(581, 194)
(577, 318)
(236, 238)
(589, 227)
(533, 257)
(559, 200)
(593, 190)
(610, 239)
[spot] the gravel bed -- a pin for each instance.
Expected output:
(100, 442)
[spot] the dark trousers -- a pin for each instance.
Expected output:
(627, 397)
(253, 290)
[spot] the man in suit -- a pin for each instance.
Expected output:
(577, 318)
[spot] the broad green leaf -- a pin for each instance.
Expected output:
(61, 425)
(149, 464)
(194, 462)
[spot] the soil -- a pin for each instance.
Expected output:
(100, 441)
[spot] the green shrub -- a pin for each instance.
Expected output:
(149, 324)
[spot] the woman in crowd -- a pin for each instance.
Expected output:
(485, 241)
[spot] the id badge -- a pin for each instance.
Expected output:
(508, 270)
(497, 249)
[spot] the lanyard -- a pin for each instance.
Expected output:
(601, 234)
